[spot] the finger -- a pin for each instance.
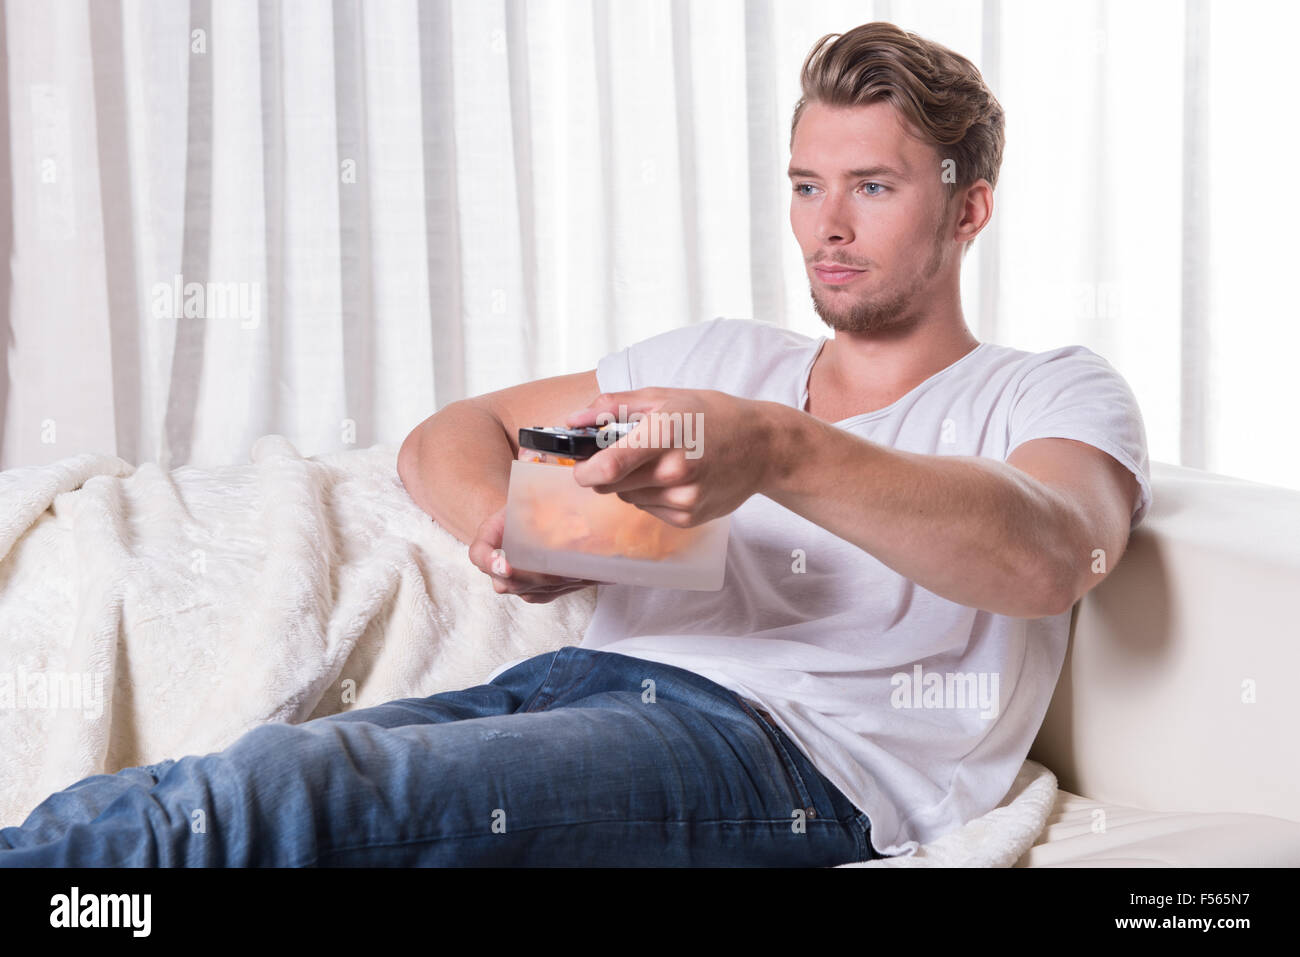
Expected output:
(531, 581)
(492, 563)
(614, 464)
(552, 590)
(681, 497)
(538, 597)
(614, 404)
(640, 477)
(556, 581)
(519, 580)
(503, 587)
(487, 541)
(667, 470)
(673, 516)
(518, 585)
(563, 585)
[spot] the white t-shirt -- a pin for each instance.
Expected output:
(919, 709)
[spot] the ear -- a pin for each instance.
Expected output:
(974, 210)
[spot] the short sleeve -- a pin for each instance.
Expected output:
(651, 362)
(1073, 393)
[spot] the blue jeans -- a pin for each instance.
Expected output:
(573, 757)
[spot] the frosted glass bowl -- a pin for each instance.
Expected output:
(556, 526)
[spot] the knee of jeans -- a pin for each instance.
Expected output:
(267, 742)
(279, 735)
(255, 759)
(306, 741)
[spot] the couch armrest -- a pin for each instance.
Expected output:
(1178, 690)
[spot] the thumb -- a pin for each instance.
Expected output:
(487, 542)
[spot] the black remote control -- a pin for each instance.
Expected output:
(580, 443)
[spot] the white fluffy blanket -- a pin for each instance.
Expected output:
(146, 614)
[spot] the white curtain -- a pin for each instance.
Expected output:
(370, 209)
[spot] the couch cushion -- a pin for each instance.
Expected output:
(1137, 838)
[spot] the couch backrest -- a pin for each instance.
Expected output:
(1179, 689)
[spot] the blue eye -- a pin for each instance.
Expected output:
(878, 189)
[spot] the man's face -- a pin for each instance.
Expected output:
(867, 195)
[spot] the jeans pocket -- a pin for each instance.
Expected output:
(862, 824)
(777, 737)
(837, 805)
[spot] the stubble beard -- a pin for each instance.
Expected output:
(890, 313)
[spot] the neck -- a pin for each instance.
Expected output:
(883, 366)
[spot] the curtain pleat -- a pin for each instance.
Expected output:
(330, 219)
(122, 306)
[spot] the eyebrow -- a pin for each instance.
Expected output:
(879, 170)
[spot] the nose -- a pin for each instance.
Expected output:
(833, 220)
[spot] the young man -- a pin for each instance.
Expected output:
(913, 515)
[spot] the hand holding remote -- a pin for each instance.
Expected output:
(532, 587)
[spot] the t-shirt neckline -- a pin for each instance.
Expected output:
(802, 400)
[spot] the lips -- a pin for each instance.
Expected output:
(836, 274)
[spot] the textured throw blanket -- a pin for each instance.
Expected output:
(147, 614)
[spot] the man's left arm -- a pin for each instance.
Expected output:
(974, 530)
(1018, 538)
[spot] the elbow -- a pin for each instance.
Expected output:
(1061, 591)
(1034, 603)
(1060, 606)
(1062, 563)
(405, 456)
(415, 463)
(408, 463)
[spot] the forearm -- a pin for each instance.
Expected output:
(456, 466)
(973, 530)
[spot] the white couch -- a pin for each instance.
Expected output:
(1147, 733)
(1172, 731)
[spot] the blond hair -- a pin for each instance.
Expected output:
(939, 92)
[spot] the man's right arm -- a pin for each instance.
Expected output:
(456, 463)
